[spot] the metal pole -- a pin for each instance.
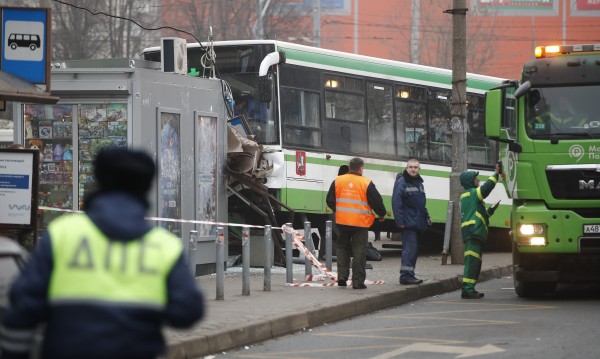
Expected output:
(414, 32)
(310, 246)
(246, 261)
(289, 271)
(447, 231)
(268, 259)
(192, 251)
(317, 23)
(258, 27)
(220, 242)
(356, 26)
(328, 244)
(564, 23)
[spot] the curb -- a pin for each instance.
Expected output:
(253, 333)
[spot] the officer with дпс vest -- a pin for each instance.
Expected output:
(104, 282)
(353, 198)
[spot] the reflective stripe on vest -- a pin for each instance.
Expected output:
(351, 205)
(89, 268)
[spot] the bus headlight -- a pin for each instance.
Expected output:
(530, 229)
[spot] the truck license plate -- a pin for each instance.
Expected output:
(591, 228)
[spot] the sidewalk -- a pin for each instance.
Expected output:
(243, 320)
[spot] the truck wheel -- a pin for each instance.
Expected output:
(533, 289)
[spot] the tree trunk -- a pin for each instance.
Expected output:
(458, 123)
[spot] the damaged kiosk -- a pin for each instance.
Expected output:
(178, 119)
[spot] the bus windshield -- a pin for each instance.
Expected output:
(238, 66)
(562, 112)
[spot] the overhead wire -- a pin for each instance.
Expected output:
(208, 60)
(131, 20)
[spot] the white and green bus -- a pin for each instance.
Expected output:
(325, 107)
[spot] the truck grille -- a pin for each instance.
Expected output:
(589, 245)
(574, 181)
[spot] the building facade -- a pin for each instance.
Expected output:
(501, 35)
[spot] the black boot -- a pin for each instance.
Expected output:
(471, 295)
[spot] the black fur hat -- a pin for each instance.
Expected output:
(123, 170)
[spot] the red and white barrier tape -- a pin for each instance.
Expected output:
(297, 240)
(159, 219)
(370, 282)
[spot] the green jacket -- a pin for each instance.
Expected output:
(475, 218)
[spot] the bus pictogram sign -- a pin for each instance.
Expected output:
(25, 43)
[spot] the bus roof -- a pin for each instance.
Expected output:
(364, 65)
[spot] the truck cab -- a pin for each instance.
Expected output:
(548, 128)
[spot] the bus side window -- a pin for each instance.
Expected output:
(411, 124)
(379, 111)
(439, 136)
(301, 120)
(345, 127)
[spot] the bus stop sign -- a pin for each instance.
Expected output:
(25, 45)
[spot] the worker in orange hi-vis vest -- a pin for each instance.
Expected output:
(354, 198)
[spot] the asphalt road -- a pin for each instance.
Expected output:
(564, 325)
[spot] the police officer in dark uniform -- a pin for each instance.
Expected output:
(105, 281)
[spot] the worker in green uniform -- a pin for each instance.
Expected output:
(474, 226)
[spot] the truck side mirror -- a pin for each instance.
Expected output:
(534, 98)
(493, 113)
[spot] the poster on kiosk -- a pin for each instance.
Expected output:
(180, 120)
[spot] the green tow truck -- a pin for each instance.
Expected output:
(548, 129)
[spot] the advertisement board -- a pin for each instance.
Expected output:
(516, 7)
(585, 7)
(18, 187)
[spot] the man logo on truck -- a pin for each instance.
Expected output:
(24, 40)
(588, 185)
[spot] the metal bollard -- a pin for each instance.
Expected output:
(246, 261)
(192, 246)
(447, 230)
(268, 259)
(310, 246)
(289, 270)
(220, 242)
(328, 244)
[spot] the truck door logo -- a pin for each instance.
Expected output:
(577, 152)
